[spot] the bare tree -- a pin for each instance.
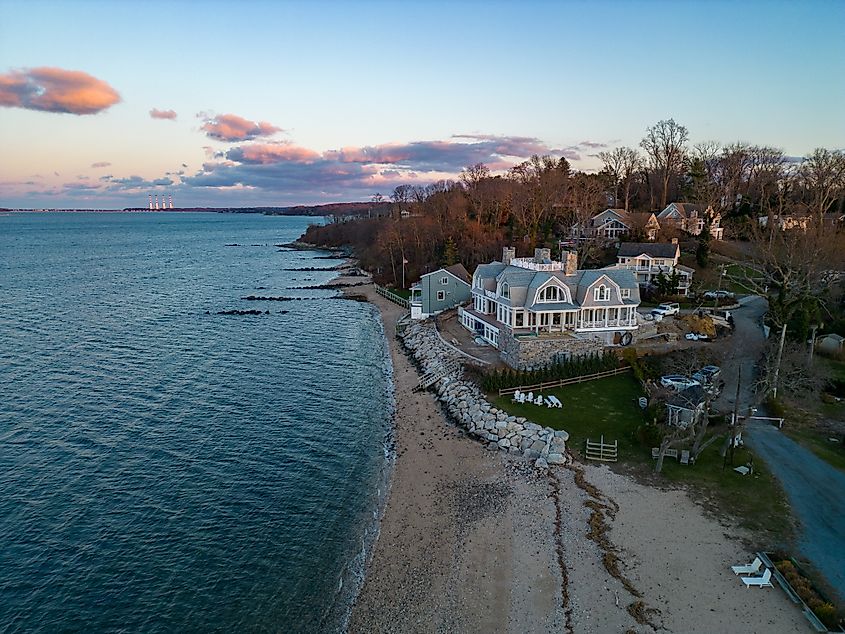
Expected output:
(664, 145)
(823, 178)
(794, 268)
(622, 164)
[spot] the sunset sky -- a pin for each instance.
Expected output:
(278, 103)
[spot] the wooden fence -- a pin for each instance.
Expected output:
(603, 451)
(548, 385)
(393, 297)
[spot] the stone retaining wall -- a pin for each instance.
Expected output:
(528, 353)
(467, 405)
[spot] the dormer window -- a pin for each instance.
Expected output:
(506, 290)
(602, 293)
(550, 294)
(626, 293)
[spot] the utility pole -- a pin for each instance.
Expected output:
(734, 420)
(777, 365)
(813, 342)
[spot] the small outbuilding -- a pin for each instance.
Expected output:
(440, 290)
(686, 407)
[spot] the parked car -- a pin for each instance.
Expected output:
(671, 308)
(711, 372)
(718, 295)
(677, 382)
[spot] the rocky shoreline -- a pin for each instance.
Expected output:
(471, 410)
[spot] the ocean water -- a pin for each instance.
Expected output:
(167, 469)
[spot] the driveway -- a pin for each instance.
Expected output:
(816, 492)
(745, 349)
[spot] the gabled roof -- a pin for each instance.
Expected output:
(459, 271)
(651, 249)
(456, 270)
(690, 398)
(685, 209)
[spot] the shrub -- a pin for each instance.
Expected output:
(827, 614)
(775, 408)
(496, 380)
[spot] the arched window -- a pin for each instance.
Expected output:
(550, 294)
(602, 293)
(506, 290)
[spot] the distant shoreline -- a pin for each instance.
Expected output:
(349, 209)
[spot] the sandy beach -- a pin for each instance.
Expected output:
(475, 541)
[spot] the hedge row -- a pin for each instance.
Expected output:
(566, 369)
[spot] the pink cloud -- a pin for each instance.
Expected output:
(56, 90)
(231, 127)
(265, 153)
(100, 164)
(155, 113)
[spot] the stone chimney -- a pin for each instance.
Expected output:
(541, 255)
(508, 254)
(570, 262)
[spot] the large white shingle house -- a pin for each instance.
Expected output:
(649, 259)
(539, 297)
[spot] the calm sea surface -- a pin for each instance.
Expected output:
(167, 470)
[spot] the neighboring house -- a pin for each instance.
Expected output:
(689, 217)
(785, 223)
(612, 224)
(686, 407)
(540, 297)
(831, 344)
(650, 259)
(440, 290)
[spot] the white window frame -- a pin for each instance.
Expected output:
(626, 293)
(444, 281)
(543, 295)
(441, 296)
(601, 293)
(506, 290)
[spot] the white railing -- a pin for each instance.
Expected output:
(529, 263)
(489, 294)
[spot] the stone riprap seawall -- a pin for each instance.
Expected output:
(467, 405)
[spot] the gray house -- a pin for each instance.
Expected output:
(440, 290)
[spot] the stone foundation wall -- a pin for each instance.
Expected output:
(467, 405)
(528, 353)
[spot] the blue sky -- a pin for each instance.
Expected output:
(304, 102)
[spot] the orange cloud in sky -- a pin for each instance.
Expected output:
(56, 90)
(231, 127)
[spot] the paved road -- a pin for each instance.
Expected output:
(816, 493)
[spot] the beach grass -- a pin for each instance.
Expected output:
(757, 499)
(604, 407)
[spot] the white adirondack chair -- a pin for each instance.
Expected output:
(748, 569)
(538, 400)
(761, 582)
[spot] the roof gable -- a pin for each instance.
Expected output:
(651, 249)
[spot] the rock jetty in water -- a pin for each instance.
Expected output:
(467, 405)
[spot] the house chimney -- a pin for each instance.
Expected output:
(571, 262)
(508, 254)
(674, 241)
(542, 255)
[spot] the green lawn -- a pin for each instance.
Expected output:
(401, 292)
(591, 409)
(609, 407)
